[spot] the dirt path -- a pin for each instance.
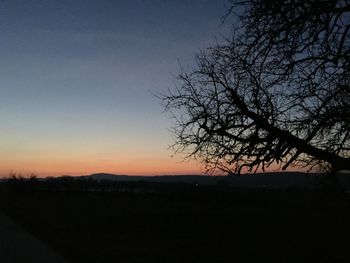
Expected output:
(18, 246)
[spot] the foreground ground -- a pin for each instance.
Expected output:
(19, 246)
(245, 226)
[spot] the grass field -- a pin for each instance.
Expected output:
(247, 226)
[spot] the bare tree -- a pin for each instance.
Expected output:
(276, 91)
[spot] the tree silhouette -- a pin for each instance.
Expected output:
(276, 91)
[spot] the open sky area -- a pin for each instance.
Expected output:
(77, 78)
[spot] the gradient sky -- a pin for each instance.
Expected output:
(77, 77)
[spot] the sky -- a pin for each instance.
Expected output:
(77, 79)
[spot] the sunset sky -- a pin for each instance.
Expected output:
(77, 78)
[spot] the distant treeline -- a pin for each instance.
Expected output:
(69, 183)
(173, 191)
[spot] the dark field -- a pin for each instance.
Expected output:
(240, 226)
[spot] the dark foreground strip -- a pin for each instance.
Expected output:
(18, 246)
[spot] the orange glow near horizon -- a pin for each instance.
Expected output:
(139, 166)
(68, 157)
(147, 166)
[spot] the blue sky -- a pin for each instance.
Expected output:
(77, 77)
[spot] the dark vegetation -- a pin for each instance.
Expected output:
(276, 91)
(88, 221)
